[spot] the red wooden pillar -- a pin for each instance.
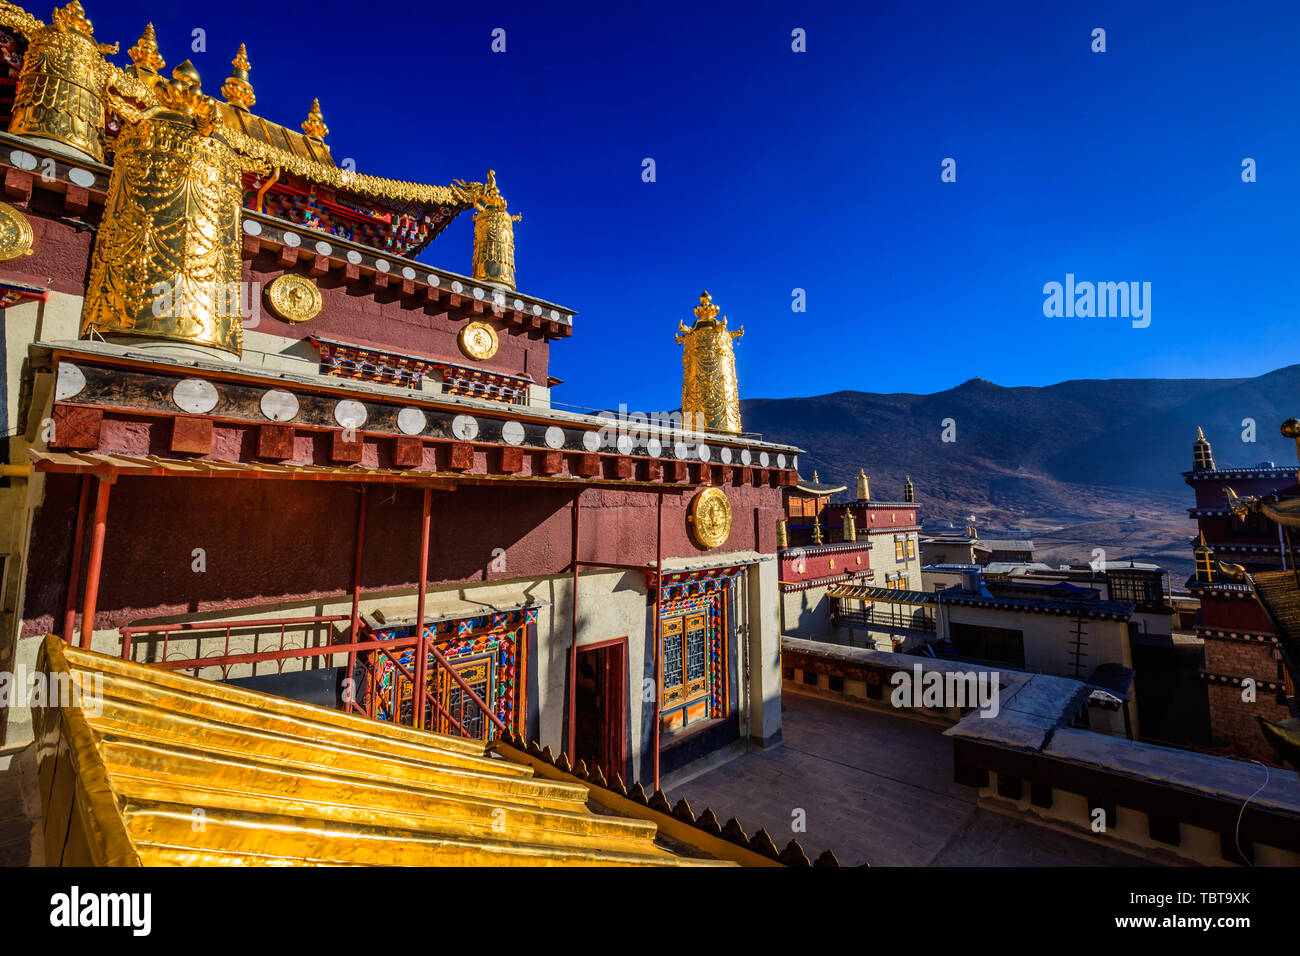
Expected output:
(659, 590)
(74, 565)
(99, 529)
(356, 598)
(573, 643)
(421, 654)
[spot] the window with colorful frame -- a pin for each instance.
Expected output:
(898, 548)
(489, 655)
(911, 547)
(694, 675)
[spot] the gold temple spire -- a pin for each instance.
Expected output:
(237, 89)
(710, 393)
(782, 534)
(1202, 453)
(909, 492)
(73, 16)
(816, 478)
(864, 490)
(850, 529)
(494, 232)
(145, 53)
(817, 529)
(314, 125)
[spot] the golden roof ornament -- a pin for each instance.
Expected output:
(62, 82)
(314, 125)
(816, 477)
(494, 232)
(850, 528)
(817, 529)
(73, 16)
(1202, 453)
(144, 55)
(909, 491)
(864, 492)
(710, 392)
(782, 534)
(181, 187)
(237, 89)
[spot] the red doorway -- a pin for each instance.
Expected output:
(601, 709)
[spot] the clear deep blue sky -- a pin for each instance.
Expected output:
(821, 170)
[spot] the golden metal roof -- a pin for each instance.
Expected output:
(164, 769)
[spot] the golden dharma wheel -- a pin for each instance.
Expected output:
(710, 517)
(479, 341)
(294, 298)
(15, 233)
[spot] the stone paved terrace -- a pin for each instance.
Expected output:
(877, 788)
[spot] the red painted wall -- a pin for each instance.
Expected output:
(359, 315)
(269, 541)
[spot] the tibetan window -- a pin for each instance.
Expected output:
(694, 666)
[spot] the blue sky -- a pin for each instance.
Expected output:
(779, 170)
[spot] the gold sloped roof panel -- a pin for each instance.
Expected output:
(163, 769)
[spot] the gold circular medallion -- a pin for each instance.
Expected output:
(711, 517)
(294, 298)
(479, 341)
(15, 233)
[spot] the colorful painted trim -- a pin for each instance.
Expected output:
(492, 647)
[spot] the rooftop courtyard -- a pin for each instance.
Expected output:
(878, 788)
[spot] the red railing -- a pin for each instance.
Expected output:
(368, 645)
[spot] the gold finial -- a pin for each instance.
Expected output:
(816, 480)
(864, 491)
(314, 125)
(1202, 453)
(782, 535)
(145, 53)
(1200, 435)
(706, 309)
(850, 530)
(237, 89)
(73, 16)
(817, 529)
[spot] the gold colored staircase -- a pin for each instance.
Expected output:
(171, 770)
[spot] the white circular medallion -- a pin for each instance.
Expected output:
(279, 405)
(762, 459)
(71, 381)
(625, 444)
(512, 433)
(704, 453)
(382, 265)
(252, 227)
(411, 421)
(464, 427)
(478, 293)
(292, 240)
(457, 287)
(537, 310)
(23, 159)
(408, 272)
(194, 395)
(555, 437)
(725, 454)
(519, 305)
(780, 461)
(555, 315)
(681, 451)
(350, 414)
(323, 247)
(655, 447)
(354, 257)
(591, 441)
(434, 280)
(81, 177)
